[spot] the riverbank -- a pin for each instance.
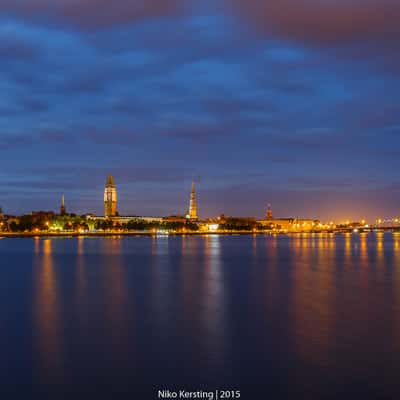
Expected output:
(159, 234)
(114, 234)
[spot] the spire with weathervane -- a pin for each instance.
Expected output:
(192, 215)
(268, 214)
(62, 208)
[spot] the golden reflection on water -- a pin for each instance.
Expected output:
(347, 247)
(312, 306)
(396, 245)
(187, 275)
(159, 285)
(364, 249)
(254, 246)
(380, 250)
(213, 311)
(269, 287)
(323, 268)
(154, 246)
(80, 246)
(380, 269)
(161, 281)
(212, 271)
(81, 284)
(325, 285)
(201, 291)
(189, 285)
(36, 247)
(116, 295)
(48, 325)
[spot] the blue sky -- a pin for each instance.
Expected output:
(294, 103)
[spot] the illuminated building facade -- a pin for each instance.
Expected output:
(125, 219)
(174, 219)
(110, 198)
(290, 224)
(192, 214)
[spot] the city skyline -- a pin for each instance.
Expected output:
(259, 105)
(111, 206)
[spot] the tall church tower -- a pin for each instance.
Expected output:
(110, 198)
(192, 205)
(268, 214)
(62, 208)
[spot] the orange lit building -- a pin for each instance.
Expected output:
(192, 214)
(110, 198)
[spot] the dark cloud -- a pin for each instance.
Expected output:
(89, 14)
(338, 183)
(15, 48)
(8, 111)
(311, 140)
(55, 137)
(381, 116)
(115, 137)
(8, 141)
(32, 104)
(78, 177)
(202, 133)
(294, 88)
(89, 83)
(22, 140)
(224, 104)
(324, 23)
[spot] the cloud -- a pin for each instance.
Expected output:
(14, 46)
(8, 141)
(323, 23)
(90, 88)
(326, 182)
(123, 138)
(54, 137)
(202, 133)
(309, 139)
(90, 14)
(20, 140)
(78, 177)
(32, 104)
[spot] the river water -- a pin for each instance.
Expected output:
(302, 316)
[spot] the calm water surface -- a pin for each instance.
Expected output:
(289, 317)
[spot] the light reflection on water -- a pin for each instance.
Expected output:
(312, 299)
(238, 310)
(48, 332)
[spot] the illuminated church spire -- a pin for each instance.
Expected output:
(269, 212)
(62, 208)
(110, 198)
(193, 204)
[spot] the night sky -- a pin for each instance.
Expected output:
(289, 102)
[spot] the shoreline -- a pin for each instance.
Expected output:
(4, 235)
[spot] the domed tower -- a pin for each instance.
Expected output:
(110, 198)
